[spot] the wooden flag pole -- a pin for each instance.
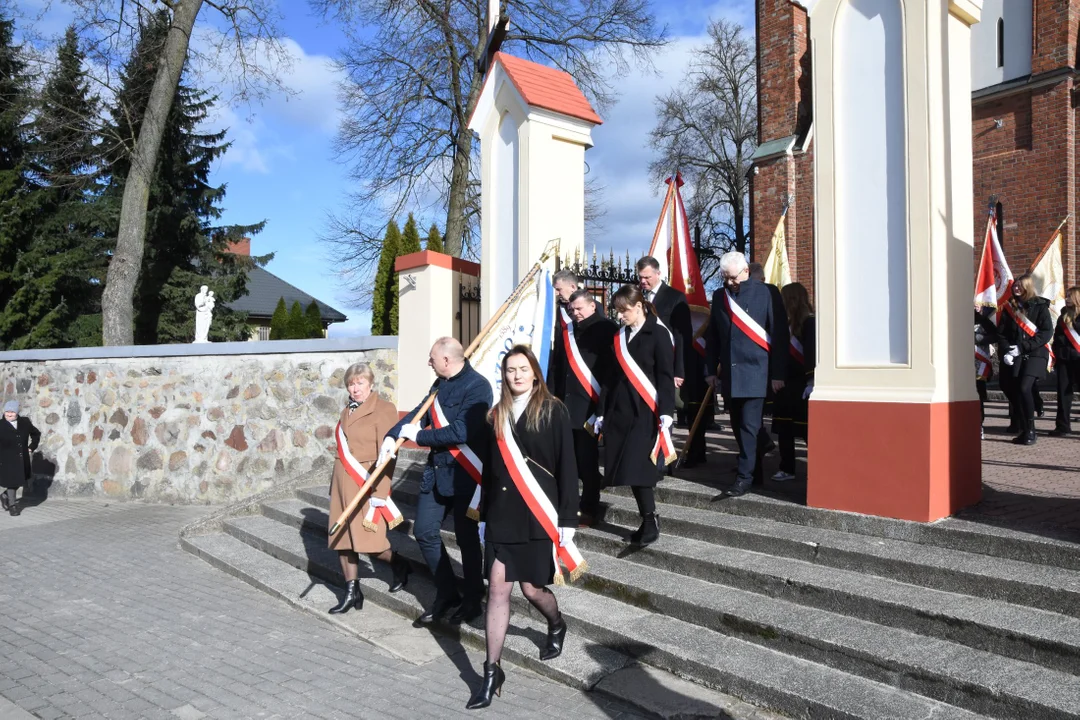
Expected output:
(348, 512)
(1049, 242)
(697, 421)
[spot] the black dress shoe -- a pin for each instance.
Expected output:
(353, 599)
(493, 682)
(15, 510)
(437, 612)
(650, 529)
(555, 637)
(1020, 439)
(468, 612)
(401, 569)
(737, 490)
(1058, 433)
(1031, 438)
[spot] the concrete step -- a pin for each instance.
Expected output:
(757, 674)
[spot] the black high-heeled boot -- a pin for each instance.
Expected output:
(650, 529)
(402, 569)
(493, 682)
(353, 599)
(555, 638)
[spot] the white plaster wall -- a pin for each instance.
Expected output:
(505, 196)
(871, 195)
(557, 192)
(1018, 18)
(425, 314)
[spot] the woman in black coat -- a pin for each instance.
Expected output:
(1066, 347)
(630, 426)
(1025, 328)
(519, 544)
(791, 408)
(18, 439)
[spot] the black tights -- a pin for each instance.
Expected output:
(10, 496)
(646, 499)
(498, 607)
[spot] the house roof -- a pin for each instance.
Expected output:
(547, 88)
(264, 291)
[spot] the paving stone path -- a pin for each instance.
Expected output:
(103, 616)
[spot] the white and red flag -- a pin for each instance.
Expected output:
(679, 267)
(994, 279)
(389, 511)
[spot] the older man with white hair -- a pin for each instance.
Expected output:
(748, 338)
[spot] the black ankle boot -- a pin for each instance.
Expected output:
(493, 682)
(1030, 438)
(353, 599)
(16, 510)
(556, 635)
(402, 569)
(650, 532)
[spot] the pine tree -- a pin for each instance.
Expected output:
(184, 249)
(279, 321)
(314, 320)
(15, 182)
(297, 327)
(61, 272)
(384, 301)
(410, 238)
(434, 239)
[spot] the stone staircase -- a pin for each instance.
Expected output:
(809, 613)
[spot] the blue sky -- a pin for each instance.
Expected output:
(282, 168)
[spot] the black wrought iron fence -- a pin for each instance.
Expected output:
(603, 276)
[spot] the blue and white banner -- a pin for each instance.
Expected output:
(530, 320)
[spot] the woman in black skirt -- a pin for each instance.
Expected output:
(531, 465)
(792, 402)
(638, 406)
(1024, 329)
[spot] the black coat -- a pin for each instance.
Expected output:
(745, 368)
(594, 337)
(1063, 349)
(1034, 354)
(630, 427)
(674, 311)
(789, 404)
(985, 334)
(16, 447)
(557, 364)
(549, 453)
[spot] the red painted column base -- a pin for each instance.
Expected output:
(912, 461)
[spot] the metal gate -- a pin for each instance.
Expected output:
(603, 276)
(468, 314)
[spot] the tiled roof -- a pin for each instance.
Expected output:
(264, 291)
(547, 88)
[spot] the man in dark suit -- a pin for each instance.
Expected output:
(674, 311)
(748, 338)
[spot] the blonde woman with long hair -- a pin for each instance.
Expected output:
(1067, 350)
(1025, 329)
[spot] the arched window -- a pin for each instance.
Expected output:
(1001, 42)
(999, 211)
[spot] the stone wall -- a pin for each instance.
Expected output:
(170, 425)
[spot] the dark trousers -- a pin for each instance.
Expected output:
(746, 417)
(431, 509)
(785, 434)
(980, 387)
(696, 451)
(1020, 392)
(588, 464)
(1067, 375)
(1036, 397)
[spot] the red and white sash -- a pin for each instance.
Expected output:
(640, 381)
(1030, 330)
(540, 505)
(465, 457)
(796, 350)
(747, 324)
(982, 364)
(1073, 336)
(356, 471)
(577, 363)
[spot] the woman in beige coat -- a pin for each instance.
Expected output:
(364, 422)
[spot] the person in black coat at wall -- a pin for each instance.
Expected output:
(747, 370)
(630, 426)
(1024, 329)
(593, 333)
(1066, 347)
(791, 410)
(18, 440)
(517, 548)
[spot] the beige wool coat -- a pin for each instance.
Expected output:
(364, 429)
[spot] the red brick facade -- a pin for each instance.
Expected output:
(1029, 163)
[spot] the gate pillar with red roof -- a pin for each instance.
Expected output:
(894, 416)
(534, 125)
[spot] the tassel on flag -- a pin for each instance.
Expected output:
(679, 267)
(994, 279)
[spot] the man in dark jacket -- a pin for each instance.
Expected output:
(593, 336)
(463, 400)
(748, 338)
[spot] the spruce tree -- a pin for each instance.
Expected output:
(410, 238)
(61, 272)
(384, 300)
(279, 322)
(184, 248)
(314, 320)
(434, 239)
(297, 327)
(15, 182)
